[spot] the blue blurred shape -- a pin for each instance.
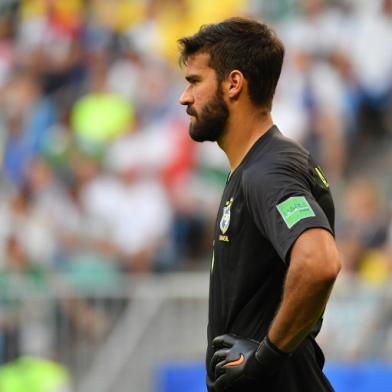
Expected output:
(360, 377)
(181, 377)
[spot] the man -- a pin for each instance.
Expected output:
(274, 258)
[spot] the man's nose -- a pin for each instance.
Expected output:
(185, 97)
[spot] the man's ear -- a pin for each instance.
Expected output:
(234, 84)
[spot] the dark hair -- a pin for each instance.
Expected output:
(244, 44)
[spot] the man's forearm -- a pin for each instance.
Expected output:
(302, 305)
(314, 266)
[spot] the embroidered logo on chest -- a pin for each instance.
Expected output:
(225, 220)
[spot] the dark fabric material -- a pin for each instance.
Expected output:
(252, 241)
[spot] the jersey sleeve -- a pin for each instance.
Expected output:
(282, 206)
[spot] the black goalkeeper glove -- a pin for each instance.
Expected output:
(239, 363)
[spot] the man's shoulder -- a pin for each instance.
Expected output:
(278, 148)
(281, 154)
(280, 159)
(281, 143)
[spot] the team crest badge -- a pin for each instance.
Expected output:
(225, 221)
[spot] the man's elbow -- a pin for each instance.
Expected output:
(321, 268)
(332, 269)
(327, 267)
(315, 257)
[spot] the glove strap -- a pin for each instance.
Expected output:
(269, 355)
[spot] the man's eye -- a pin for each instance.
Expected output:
(193, 81)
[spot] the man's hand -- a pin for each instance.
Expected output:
(238, 363)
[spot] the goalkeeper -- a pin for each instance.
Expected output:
(274, 256)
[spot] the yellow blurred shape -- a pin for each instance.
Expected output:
(374, 268)
(33, 8)
(101, 117)
(186, 18)
(118, 15)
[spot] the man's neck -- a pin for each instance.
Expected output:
(242, 133)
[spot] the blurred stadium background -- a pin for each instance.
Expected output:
(106, 207)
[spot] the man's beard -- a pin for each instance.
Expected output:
(210, 124)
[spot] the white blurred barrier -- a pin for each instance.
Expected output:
(114, 339)
(166, 321)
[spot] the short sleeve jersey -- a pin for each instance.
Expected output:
(275, 194)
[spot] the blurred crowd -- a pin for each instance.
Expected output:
(97, 169)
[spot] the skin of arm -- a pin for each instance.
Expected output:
(314, 266)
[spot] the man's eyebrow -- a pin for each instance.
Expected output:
(192, 78)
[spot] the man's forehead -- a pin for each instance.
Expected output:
(198, 62)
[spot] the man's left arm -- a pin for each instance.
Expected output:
(314, 266)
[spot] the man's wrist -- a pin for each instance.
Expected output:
(276, 349)
(270, 356)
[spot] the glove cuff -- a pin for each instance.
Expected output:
(269, 356)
